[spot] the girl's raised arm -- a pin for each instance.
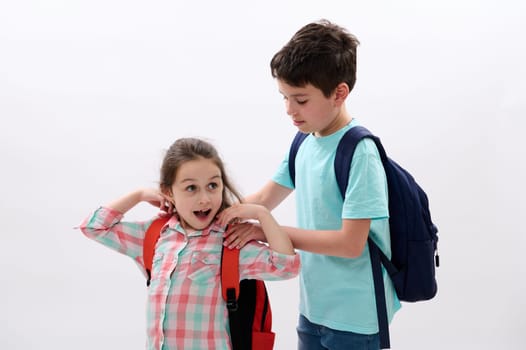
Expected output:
(277, 239)
(128, 201)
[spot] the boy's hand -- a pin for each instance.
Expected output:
(239, 234)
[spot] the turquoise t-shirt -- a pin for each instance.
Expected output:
(339, 292)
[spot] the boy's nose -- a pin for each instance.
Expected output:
(289, 109)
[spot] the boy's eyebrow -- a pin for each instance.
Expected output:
(299, 94)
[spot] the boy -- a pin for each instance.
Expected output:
(315, 72)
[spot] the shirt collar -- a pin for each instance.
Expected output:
(174, 224)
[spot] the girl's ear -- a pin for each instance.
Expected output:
(168, 193)
(166, 190)
(340, 93)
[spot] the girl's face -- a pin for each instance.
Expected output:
(197, 193)
(311, 111)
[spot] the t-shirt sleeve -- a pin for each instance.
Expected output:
(366, 196)
(282, 175)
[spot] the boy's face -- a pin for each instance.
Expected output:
(311, 111)
(197, 193)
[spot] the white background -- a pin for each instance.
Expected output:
(93, 92)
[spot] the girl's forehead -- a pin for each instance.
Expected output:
(198, 169)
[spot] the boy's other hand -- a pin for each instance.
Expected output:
(239, 234)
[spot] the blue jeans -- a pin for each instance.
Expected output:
(315, 337)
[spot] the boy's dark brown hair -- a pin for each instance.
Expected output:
(321, 53)
(186, 149)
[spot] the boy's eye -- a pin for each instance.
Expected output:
(301, 102)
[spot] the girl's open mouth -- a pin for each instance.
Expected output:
(202, 214)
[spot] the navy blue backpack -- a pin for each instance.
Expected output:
(414, 237)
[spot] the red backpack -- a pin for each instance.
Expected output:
(249, 313)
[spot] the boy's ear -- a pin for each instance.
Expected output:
(341, 92)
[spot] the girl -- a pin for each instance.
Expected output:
(185, 309)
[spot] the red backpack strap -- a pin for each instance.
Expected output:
(230, 277)
(150, 240)
(262, 313)
(249, 313)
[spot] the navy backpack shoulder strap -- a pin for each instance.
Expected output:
(294, 147)
(342, 168)
(344, 153)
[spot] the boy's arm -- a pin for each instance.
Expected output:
(270, 195)
(348, 242)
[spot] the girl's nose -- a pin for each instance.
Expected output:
(204, 198)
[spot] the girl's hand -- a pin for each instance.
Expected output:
(270, 229)
(150, 195)
(158, 199)
(243, 211)
(239, 233)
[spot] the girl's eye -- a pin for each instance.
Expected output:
(212, 185)
(190, 188)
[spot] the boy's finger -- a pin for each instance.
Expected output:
(228, 232)
(242, 243)
(228, 242)
(234, 244)
(230, 238)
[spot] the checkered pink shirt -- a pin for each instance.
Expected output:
(185, 309)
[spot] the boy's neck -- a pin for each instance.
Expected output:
(339, 122)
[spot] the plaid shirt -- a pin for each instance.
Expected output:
(185, 309)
